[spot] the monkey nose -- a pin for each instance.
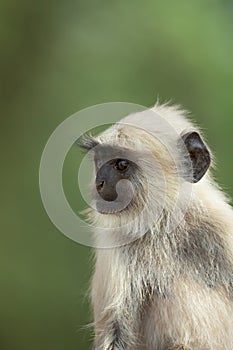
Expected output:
(106, 191)
(99, 186)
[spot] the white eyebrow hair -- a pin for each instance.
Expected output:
(87, 142)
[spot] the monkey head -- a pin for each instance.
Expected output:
(141, 163)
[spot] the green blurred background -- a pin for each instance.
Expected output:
(58, 57)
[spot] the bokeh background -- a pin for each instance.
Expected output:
(58, 57)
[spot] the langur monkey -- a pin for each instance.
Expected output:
(163, 277)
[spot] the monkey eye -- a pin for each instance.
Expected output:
(121, 164)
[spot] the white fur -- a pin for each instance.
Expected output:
(193, 315)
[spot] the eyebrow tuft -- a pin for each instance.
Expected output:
(87, 142)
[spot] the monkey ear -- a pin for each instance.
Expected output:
(199, 154)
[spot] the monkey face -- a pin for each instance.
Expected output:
(115, 180)
(109, 175)
(114, 185)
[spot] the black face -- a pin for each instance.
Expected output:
(110, 174)
(116, 176)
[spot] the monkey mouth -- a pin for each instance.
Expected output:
(114, 207)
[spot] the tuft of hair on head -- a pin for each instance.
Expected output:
(87, 142)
